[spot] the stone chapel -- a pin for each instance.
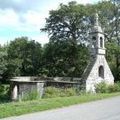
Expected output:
(97, 70)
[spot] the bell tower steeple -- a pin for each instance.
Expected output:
(98, 69)
(97, 37)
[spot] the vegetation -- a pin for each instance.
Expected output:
(26, 59)
(32, 95)
(73, 22)
(58, 59)
(4, 93)
(66, 54)
(105, 88)
(19, 108)
(52, 92)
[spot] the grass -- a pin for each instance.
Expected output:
(19, 108)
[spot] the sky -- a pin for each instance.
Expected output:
(26, 17)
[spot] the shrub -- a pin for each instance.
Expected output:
(105, 88)
(113, 88)
(70, 92)
(101, 87)
(51, 92)
(32, 95)
(4, 92)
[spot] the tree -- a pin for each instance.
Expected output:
(111, 16)
(3, 62)
(73, 22)
(68, 22)
(66, 27)
(116, 35)
(58, 59)
(110, 21)
(24, 57)
(112, 50)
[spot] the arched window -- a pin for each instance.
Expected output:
(101, 42)
(94, 41)
(101, 71)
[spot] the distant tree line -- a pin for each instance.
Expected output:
(23, 57)
(66, 54)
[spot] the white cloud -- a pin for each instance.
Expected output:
(8, 18)
(43, 38)
(79, 1)
(3, 41)
(35, 18)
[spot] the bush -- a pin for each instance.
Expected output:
(105, 88)
(51, 92)
(32, 95)
(101, 87)
(4, 92)
(70, 92)
(113, 88)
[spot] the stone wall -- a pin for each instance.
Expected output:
(19, 89)
(21, 86)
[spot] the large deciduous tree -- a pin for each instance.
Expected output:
(58, 59)
(72, 23)
(116, 35)
(66, 27)
(24, 57)
(67, 22)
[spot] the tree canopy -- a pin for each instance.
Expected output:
(73, 22)
(66, 54)
(24, 57)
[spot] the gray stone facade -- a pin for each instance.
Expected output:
(98, 70)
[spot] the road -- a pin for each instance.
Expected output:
(107, 109)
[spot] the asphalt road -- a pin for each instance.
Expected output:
(108, 109)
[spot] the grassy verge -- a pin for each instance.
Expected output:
(19, 108)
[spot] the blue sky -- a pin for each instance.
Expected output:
(26, 17)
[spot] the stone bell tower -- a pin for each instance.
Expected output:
(98, 69)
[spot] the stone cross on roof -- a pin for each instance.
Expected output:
(96, 22)
(96, 26)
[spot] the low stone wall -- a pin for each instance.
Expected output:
(21, 86)
(69, 79)
(19, 89)
(61, 84)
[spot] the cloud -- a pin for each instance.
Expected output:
(25, 5)
(29, 21)
(41, 38)
(19, 5)
(26, 17)
(34, 18)
(3, 40)
(8, 18)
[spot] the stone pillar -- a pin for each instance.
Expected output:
(40, 88)
(15, 92)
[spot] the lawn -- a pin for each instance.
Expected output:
(19, 108)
